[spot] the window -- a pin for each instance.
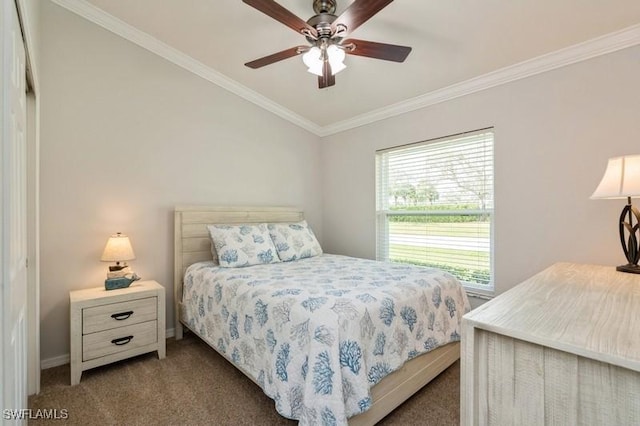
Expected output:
(434, 206)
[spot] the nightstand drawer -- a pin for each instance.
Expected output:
(121, 314)
(109, 326)
(120, 339)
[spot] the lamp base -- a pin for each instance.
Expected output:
(117, 267)
(633, 269)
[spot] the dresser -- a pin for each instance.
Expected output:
(112, 325)
(561, 348)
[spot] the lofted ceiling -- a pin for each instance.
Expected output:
(454, 42)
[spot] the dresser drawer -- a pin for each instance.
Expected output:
(108, 342)
(121, 314)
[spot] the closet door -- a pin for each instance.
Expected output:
(13, 212)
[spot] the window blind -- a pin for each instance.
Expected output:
(434, 205)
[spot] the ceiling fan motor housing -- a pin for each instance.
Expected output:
(322, 20)
(322, 23)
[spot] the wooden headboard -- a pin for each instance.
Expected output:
(192, 242)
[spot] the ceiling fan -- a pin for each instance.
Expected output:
(326, 34)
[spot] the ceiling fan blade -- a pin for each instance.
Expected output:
(285, 54)
(371, 49)
(282, 15)
(327, 78)
(358, 13)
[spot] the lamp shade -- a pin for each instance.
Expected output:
(313, 60)
(118, 248)
(336, 58)
(621, 178)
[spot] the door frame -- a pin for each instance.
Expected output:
(29, 25)
(13, 140)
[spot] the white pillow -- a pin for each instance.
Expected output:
(294, 241)
(242, 245)
(214, 253)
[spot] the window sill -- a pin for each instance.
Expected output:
(479, 294)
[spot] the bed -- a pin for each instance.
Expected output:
(193, 249)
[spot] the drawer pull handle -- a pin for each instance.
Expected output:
(122, 315)
(122, 340)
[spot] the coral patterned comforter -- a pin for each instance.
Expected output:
(317, 334)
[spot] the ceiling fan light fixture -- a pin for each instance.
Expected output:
(336, 58)
(313, 60)
(316, 69)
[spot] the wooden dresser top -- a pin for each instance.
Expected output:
(588, 310)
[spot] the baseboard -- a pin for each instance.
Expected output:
(54, 362)
(64, 359)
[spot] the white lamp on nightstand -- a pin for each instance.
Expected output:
(118, 249)
(622, 180)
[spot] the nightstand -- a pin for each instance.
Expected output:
(109, 326)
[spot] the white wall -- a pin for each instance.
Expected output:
(125, 137)
(553, 135)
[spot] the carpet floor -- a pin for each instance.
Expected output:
(194, 385)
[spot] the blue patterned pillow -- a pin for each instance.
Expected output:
(294, 241)
(242, 245)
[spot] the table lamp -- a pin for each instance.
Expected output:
(118, 249)
(622, 180)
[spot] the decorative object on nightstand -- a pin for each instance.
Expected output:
(118, 249)
(622, 180)
(109, 326)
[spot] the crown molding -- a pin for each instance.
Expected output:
(609, 43)
(152, 44)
